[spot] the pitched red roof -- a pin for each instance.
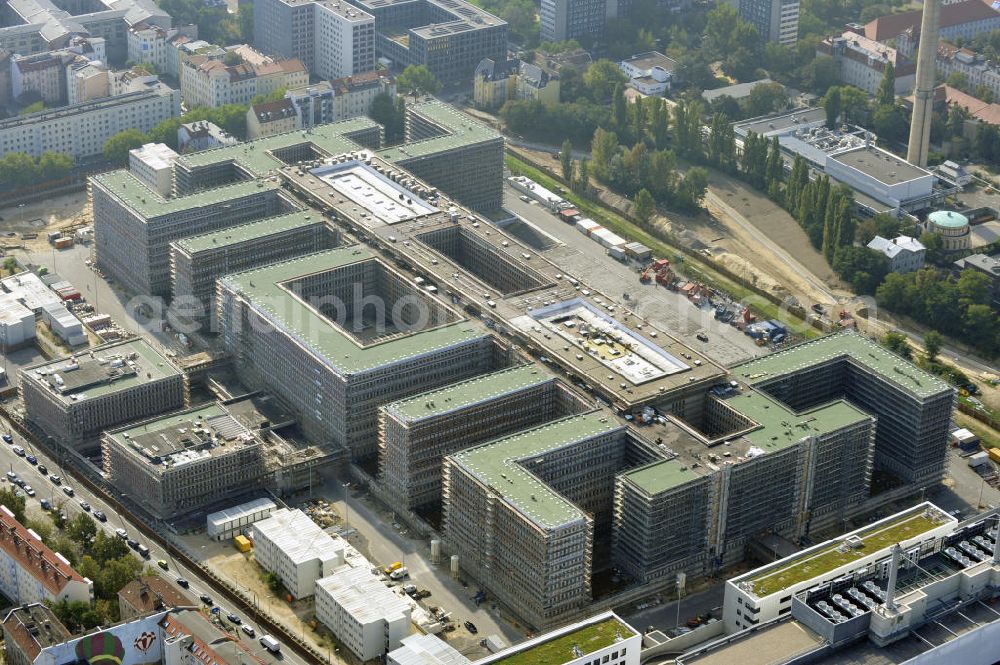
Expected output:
(33, 556)
(893, 25)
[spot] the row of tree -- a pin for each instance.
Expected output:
(230, 117)
(18, 169)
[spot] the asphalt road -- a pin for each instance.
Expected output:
(46, 489)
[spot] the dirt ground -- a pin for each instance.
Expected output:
(53, 214)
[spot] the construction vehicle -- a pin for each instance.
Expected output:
(644, 277)
(388, 570)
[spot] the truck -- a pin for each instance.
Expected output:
(400, 573)
(271, 644)
(388, 570)
(995, 454)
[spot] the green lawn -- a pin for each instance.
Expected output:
(831, 558)
(560, 650)
(764, 308)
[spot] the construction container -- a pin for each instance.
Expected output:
(617, 253)
(607, 238)
(995, 454)
(242, 543)
(63, 243)
(979, 459)
(587, 226)
(638, 251)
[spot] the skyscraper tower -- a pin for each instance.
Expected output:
(923, 94)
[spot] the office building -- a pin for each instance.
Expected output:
(913, 407)
(150, 594)
(153, 164)
(230, 522)
(74, 399)
(651, 73)
(425, 649)
(293, 547)
(363, 614)
(333, 39)
(34, 26)
(29, 629)
(335, 366)
(448, 36)
(138, 102)
(197, 261)
(987, 265)
(562, 20)
(497, 82)
(133, 225)
(776, 20)
(415, 434)
(212, 83)
(905, 254)
(603, 638)
(30, 572)
(862, 62)
(182, 462)
(520, 512)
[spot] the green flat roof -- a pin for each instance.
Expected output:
(463, 128)
(831, 556)
(497, 464)
(151, 361)
(253, 154)
(169, 420)
(560, 649)
(862, 350)
(662, 476)
(471, 391)
(338, 348)
(780, 427)
(149, 204)
(237, 234)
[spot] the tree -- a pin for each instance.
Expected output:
(854, 105)
(973, 288)
(35, 107)
(232, 58)
(81, 529)
(721, 143)
(693, 187)
(116, 148)
(417, 80)
(601, 78)
(54, 165)
(890, 122)
(765, 99)
(603, 147)
(958, 80)
(385, 111)
(245, 17)
(165, 132)
(76, 615)
(934, 244)
(18, 169)
(864, 268)
(582, 182)
(720, 30)
(15, 503)
(831, 104)
(644, 206)
(886, 93)
(10, 265)
(898, 343)
(933, 341)
(566, 160)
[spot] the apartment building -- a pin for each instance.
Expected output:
(776, 20)
(448, 36)
(496, 82)
(363, 614)
(155, 44)
(198, 261)
(208, 82)
(29, 629)
(34, 26)
(82, 129)
(30, 572)
(153, 164)
(425, 649)
(520, 512)
(85, 81)
(416, 434)
(913, 407)
(353, 95)
(862, 62)
(270, 118)
(325, 363)
(332, 38)
(905, 254)
(150, 594)
(957, 21)
(603, 638)
(562, 20)
(41, 76)
(73, 399)
(202, 135)
(978, 70)
(293, 547)
(133, 226)
(181, 462)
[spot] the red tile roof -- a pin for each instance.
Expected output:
(33, 556)
(208, 654)
(893, 25)
(152, 593)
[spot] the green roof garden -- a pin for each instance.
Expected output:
(846, 345)
(471, 391)
(830, 556)
(245, 232)
(497, 464)
(561, 647)
(263, 287)
(462, 130)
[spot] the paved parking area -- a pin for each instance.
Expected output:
(584, 258)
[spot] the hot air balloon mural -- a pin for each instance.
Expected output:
(102, 648)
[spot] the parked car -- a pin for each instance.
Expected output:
(55, 479)
(18, 450)
(471, 627)
(100, 516)
(42, 469)
(32, 459)
(85, 506)
(702, 337)
(68, 491)
(162, 564)
(205, 598)
(132, 543)
(233, 618)
(183, 583)
(28, 490)
(143, 551)
(248, 630)
(11, 476)
(121, 533)
(8, 438)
